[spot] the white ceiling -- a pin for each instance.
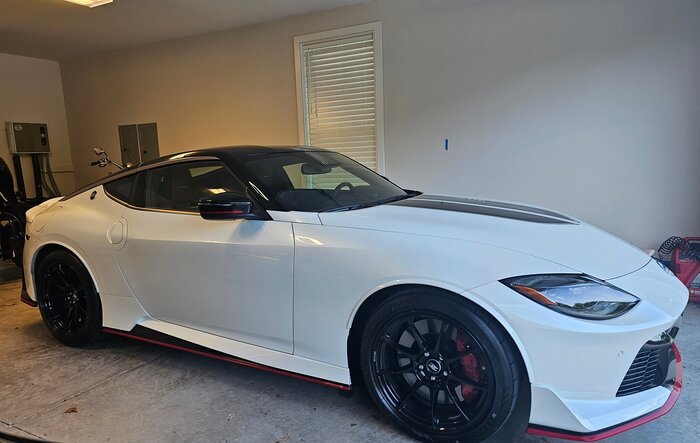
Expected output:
(56, 29)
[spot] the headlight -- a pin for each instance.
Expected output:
(574, 294)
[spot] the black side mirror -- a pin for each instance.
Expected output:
(225, 206)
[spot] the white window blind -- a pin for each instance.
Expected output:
(339, 93)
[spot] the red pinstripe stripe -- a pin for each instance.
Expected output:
(233, 360)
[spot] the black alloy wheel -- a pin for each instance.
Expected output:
(441, 369)
(68, 301)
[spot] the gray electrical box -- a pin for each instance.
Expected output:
(138, 143)
(27, 138)
(148, 141)
(129, 144)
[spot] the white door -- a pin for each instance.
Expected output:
(231, 278)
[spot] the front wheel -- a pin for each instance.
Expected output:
(68, 301)
(439, 367)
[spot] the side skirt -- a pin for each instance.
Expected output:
(154, 337)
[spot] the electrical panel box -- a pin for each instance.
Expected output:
(138, 143)
(148, 141)
(28, 138)
(129, 144)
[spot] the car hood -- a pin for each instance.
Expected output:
(528, 230)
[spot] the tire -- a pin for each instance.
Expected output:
(440, 367)
(68, 301)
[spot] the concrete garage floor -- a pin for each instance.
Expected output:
(125, 390)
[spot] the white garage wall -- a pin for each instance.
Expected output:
(31, 91)
(589, 107)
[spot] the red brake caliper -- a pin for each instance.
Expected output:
(470, 368)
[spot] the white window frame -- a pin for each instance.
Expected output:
(376, 29)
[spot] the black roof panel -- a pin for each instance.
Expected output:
(233, 152)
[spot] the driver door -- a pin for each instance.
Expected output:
(232, 278)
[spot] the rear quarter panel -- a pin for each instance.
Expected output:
(80, 224)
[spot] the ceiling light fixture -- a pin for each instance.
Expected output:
(90, 3)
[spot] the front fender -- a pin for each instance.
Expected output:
(343, 267)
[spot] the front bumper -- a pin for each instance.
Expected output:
(576, 367)
(675, 392)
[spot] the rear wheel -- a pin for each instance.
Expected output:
(68, 301)
(440, 368)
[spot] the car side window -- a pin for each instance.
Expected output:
(128, 190)
(179, 187)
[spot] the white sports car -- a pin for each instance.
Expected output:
(301, 261)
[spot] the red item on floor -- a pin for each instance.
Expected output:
(686, 266)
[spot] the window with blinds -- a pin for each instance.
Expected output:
(340, 90)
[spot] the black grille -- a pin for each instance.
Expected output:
(649, 369)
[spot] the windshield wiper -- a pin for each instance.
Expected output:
(368, 205)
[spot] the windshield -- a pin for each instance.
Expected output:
(317, 181)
